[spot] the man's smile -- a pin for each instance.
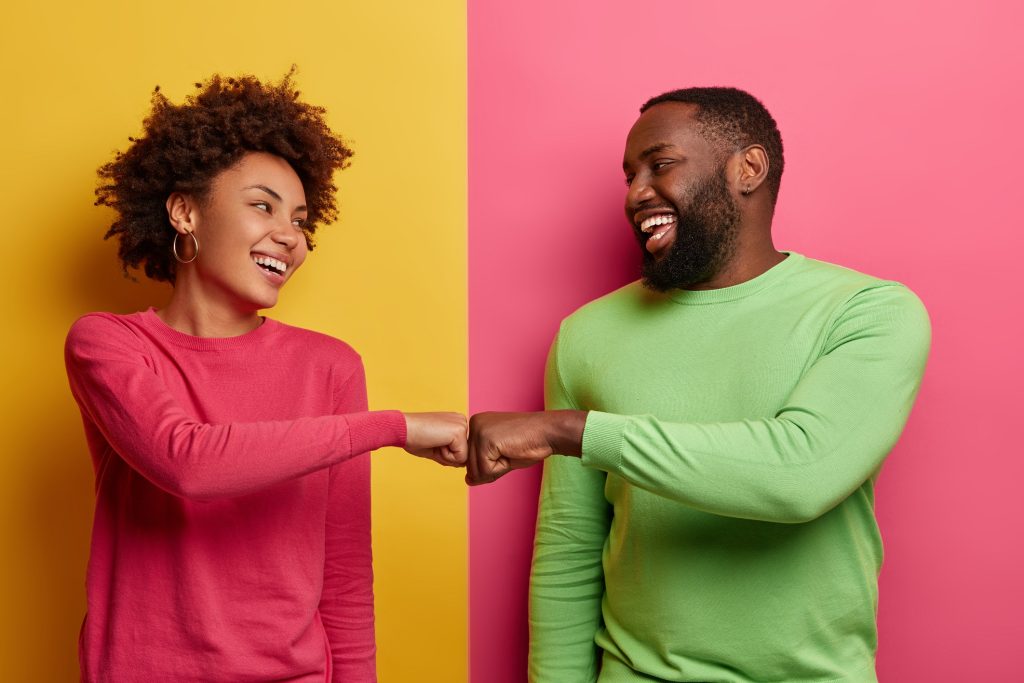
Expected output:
(660, 226)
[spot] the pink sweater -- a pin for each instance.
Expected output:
(231, 539)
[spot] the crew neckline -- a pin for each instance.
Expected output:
(168, 333)
(769, 277)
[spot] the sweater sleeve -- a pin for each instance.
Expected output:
(567, 580)
(346, 604)
(112, 379)
(831, 435)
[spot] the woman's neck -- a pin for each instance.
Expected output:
(200, 317)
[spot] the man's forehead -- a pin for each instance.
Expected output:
(667, 123)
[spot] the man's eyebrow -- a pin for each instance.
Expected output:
(653, 149)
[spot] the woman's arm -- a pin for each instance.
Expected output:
(111, 378)
(346, 604)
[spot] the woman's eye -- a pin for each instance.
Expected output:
(300, 223)
(262, 206)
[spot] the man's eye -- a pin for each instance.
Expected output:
(658, 165)
(629, 180)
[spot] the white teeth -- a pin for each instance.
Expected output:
(279, 266)
(649, 224)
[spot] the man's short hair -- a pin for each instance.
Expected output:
(734, 119)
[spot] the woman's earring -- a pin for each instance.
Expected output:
(174, 247)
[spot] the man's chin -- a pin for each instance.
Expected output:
(658, 282)
(654, 285)
(663, 275)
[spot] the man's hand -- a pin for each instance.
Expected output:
(502, 442)
(441, 437)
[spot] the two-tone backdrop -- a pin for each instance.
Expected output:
(482, 206)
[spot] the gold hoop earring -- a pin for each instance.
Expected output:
(174, 247)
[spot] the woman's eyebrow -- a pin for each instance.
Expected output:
(301, 207)
(265, 189)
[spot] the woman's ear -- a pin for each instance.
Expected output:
(181, 209)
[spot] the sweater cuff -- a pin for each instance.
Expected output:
(375, 429)
(602, 440)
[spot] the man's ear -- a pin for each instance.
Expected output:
(750, 169)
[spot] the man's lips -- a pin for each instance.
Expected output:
(648, 221)
(661, 238)
(660, 226)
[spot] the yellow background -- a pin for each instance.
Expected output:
(389, 278)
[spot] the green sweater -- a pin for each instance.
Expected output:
(720, 525)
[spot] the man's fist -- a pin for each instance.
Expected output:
(502, 442)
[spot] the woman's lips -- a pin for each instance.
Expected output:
(275, 278)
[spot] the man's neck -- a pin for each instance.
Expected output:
(753, 255)
(742, 268)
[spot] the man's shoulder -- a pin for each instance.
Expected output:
(836, 275)
(616, 302)
(808, 276)
(609, 309)
(829, 281)
(807, 284)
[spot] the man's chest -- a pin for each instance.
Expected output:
(700, 371)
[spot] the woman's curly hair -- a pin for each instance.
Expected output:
(183, 147)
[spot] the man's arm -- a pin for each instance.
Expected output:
(567, 581)
(833, 432)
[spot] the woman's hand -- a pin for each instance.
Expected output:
(441, 437)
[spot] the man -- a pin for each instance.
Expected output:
(728, 415)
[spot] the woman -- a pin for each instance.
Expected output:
(231, 539)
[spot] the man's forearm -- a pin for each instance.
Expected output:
(564, 429)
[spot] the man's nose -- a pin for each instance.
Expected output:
(639, 191)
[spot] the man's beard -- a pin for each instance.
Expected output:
(706, 230)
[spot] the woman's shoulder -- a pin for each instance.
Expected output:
(316, 342)
(109, 326)
(105, 336)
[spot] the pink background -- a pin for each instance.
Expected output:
(902, 127)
